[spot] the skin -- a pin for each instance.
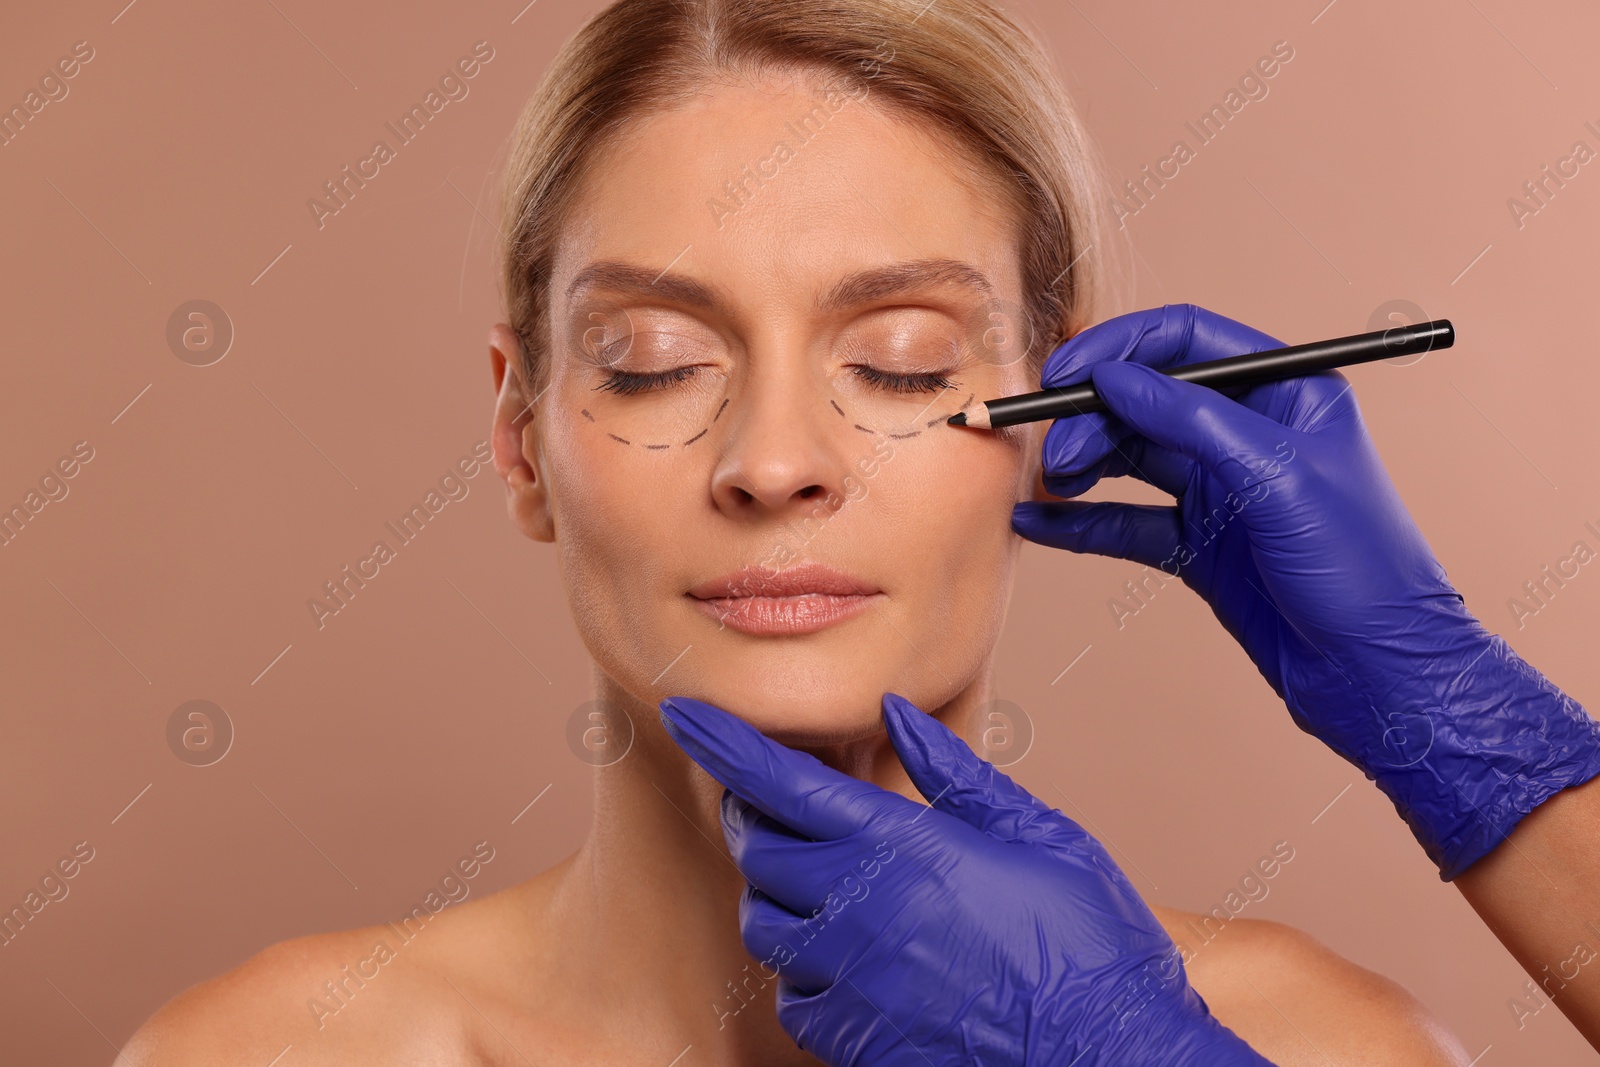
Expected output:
(1539, 891)
(624, 951)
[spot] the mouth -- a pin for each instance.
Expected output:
(801, 599)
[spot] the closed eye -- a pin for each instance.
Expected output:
(901, 383)
(628, 383)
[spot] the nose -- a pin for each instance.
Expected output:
(782, 450)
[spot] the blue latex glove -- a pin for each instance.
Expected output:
(985, 929)
(1288, 525)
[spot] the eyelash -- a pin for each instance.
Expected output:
(625, 383)
(902, 383)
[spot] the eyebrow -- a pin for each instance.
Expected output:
(627, 279)
(862, 287)
(900, 279)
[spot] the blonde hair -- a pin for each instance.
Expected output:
(961, 65)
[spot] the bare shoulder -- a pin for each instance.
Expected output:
(472, 984)
(1296, 1001)
(306, 995)
(387, 994)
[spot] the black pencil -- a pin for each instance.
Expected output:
(1233, 373)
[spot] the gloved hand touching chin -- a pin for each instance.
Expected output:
(1288, 525)
(985, 929)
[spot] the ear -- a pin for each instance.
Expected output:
(516, 450)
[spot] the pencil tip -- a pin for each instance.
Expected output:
(958, 419)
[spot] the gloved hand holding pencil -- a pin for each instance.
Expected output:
(1286, 522)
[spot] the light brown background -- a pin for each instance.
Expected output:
(428, 714)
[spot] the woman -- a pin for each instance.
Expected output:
(756, 252)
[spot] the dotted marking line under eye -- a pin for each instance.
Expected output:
(836, 407)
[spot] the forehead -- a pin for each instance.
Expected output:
(780, 187)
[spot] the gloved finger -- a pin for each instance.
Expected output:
(1168, 336)
(843, 1025)
(1158, 337)
(1233, 443)
(1067, 486)
(1164, 337)
(795, 788)
(957, 782)
(781, 941)
(796, 871)
(1144, 533)
(1079, 443)
(1132, 455)
(1309, 403)
(803, 1015)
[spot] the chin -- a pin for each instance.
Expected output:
(799, 707)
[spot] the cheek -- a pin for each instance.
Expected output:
(979, 496)
(952, 498)
(972, 477)
(614, 518)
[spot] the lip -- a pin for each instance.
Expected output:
(801, 599)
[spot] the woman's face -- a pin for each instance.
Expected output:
(763, 308)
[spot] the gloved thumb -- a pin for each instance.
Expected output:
(1228, 439)
(957, 782)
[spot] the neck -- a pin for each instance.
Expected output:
(651, 900)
